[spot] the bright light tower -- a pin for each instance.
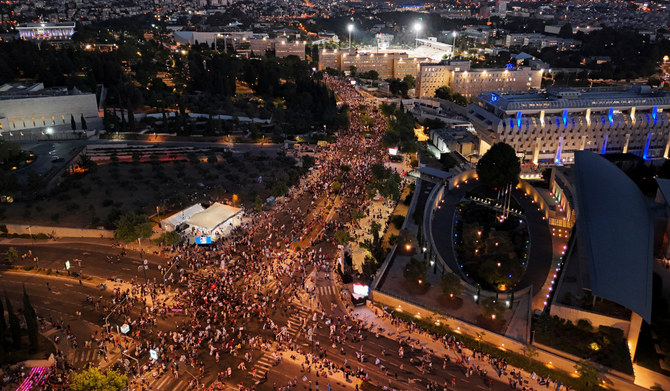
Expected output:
(417, 28)
(453, 46)
(350, 28)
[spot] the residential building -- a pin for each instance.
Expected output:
(550, 126)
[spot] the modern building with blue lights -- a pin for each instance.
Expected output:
(550, 126)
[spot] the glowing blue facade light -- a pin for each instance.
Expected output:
(654, 114)
(518, 119)
(610, 116)
(565, 118)
(646, 146)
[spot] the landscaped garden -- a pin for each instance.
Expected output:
(491, 250)
(605, 345)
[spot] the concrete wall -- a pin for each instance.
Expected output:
(537, 197)
(61, 232)
(462, 178)
(575, 314)
(52, 109)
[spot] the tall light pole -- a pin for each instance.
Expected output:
(417, 28)
(350, 28)
(453, 46)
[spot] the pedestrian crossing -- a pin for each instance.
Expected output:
(83, 356)
(168, 382)
(326, 290)
(294, 325)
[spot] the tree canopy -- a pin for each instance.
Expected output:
(131, 226)
(92, 379)
(499, 166)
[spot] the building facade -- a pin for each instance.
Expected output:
(459, 77)
(386, 64)
(550, 126)
(32, 108)
(44, 31)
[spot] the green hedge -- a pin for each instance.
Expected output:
(513, 359)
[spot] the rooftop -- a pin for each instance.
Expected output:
(615, 233)
(554, 98)
(32, 90)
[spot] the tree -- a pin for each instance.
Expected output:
(12, 255)
(459, 99)
(279, 189)
(14, 324)
(336, 187)
(72, 122)
(375, 228)
(131, 226)
(31, 322)
(451, 285)
(84, 126)
(258, 202)
(443, 92)
(92, 379)
(492, 309)
(588, 374)
(499, 166)
(565, 31)
(410, 81)
(416, 271)
(170, 238)
(531, 352)
(342, 236)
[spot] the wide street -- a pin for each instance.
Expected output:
(261, 309)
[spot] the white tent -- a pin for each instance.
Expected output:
(216, 221)
(171, 223)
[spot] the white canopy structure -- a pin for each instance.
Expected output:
(216, 221)
(172, 222)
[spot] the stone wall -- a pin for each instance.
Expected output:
(60, 232)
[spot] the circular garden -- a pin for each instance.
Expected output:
(492, 248)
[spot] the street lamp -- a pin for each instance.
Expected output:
(417, 28)
(350, 28)
(453, 46)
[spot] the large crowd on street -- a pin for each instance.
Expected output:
(237, 293)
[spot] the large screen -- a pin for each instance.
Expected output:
(203, 240)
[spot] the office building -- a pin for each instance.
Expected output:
(459, 77)
(550, 126)
(387, 64)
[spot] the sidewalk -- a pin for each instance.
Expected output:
(369, 318)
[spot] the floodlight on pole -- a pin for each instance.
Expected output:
(350, 28)
(417, 28)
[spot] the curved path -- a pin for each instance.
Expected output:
(539, 258)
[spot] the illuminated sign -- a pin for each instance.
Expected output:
(393, 151)
(203, 240)
(362, 290)
(125, 328)
(153, 354)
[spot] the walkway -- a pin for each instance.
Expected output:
(540, 256)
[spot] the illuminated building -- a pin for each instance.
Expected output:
(459, 77)
(30, 109)
(549, 126)
(43, 31)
